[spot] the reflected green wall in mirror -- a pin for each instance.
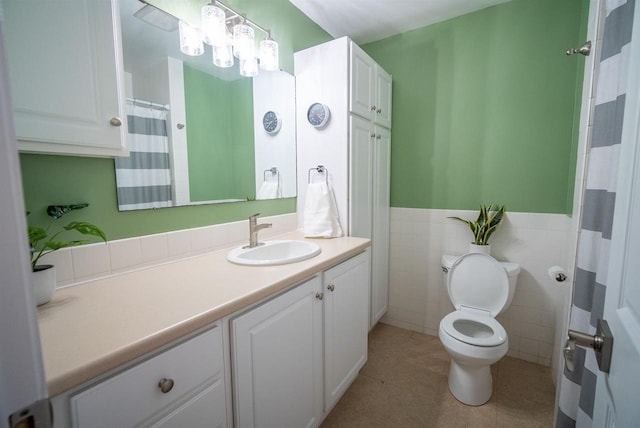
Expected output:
(220, 145)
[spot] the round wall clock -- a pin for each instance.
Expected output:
(271, 122)
(318, 115)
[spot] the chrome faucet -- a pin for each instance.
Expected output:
(254, 228)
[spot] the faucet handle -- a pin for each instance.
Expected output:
(254, 216)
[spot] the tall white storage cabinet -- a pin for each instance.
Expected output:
(354, 146)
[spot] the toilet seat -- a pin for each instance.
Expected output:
(473, 328)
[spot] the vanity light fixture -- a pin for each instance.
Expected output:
(230, 34)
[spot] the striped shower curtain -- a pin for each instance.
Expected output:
(144, 178)
(577, 388)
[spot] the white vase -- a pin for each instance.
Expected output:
(484, 249)
(43, 283)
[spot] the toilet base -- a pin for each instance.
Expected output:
(471, 385)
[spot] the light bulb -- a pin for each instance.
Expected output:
(243, 41)
(269, 55)
(249, 66)
(223, 55)
(190, 39)
(213, 24)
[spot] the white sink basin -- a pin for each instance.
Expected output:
(272, 253)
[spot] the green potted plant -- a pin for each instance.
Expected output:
(43, 277)
(483, 227)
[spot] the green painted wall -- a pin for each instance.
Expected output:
(65, 179)
(484, 107)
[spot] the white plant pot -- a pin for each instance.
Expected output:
(43, 283)
(484, 249)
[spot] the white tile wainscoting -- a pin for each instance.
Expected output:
(418, 297)
(86, 262)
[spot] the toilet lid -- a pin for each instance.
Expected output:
(478, 281)
(474, 329)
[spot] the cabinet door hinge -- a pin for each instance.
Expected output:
(37, 415)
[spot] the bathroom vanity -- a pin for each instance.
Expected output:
(166, 345)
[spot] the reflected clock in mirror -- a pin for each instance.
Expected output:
(209, 144)
(271, 122)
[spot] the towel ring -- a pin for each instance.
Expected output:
(273, 171)
(320, 169)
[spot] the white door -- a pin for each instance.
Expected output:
(22, 381)
(616, 401)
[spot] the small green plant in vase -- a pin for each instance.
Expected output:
(489, 218)
(42, 243)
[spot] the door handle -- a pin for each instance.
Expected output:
(601, 342)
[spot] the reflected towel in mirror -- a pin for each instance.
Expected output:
(321, 212)
(269, 190)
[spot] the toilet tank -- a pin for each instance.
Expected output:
(513, 269)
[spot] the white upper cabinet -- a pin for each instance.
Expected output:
(65, 65)
(370, 88)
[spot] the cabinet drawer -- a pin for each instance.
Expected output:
(134, 395)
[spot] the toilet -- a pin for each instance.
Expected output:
(480, 287)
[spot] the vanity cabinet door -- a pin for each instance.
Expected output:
(277, 360)
(65, 67)
(346, 324)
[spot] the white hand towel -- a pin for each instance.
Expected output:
(320, 212)
(269, 190)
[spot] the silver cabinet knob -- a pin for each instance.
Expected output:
(165, 385)
(319, 296)
(331, 287)
(115, 121)
(373, 108)
(378, 136)
(373, 135)
(379, 110)
(180, 126)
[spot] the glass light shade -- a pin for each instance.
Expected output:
(223, 55)
(190, 39)
(213, 25)
(243, 41)
(269, 55)
(249, 66)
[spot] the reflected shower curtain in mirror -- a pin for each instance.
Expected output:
(144, 178)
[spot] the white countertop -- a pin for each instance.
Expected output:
(88, 329)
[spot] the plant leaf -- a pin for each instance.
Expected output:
(36, 234)
(57, 211)
(86, 229)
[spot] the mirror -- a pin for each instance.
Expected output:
(196, 131)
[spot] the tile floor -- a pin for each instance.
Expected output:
(404, 384)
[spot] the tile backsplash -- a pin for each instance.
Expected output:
(86, 262)
(418, 298)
